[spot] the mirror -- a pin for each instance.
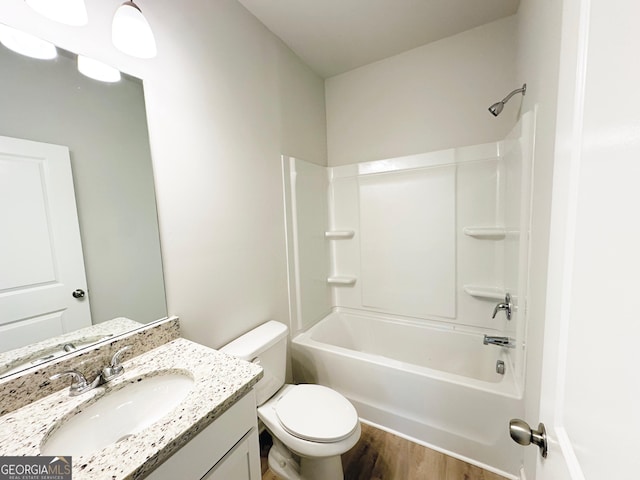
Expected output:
(104, 126)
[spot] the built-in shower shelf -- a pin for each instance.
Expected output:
(489, 233)
(339, 234)
(480, 291)
(341, 281)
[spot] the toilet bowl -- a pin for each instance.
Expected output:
(311, 425)
(314, 423)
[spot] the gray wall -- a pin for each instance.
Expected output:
(105, 128)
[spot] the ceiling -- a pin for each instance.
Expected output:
(334, 36)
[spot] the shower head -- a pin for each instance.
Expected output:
(497, 107)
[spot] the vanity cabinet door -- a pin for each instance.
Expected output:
(238, 464)
(223, 450)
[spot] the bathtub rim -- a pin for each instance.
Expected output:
(507, 387)
(433, 322)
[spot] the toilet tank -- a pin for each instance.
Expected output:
(267, 346)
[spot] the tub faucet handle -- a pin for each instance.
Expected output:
(507, 306)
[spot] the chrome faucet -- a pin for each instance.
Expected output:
(114, 369)
(79, 383)
(506, 306)
(499, 341)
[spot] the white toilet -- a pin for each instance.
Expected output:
(311, 425)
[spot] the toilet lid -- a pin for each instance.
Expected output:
(316, 413)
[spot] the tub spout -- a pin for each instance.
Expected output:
(499, 341)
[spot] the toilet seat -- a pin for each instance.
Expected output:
(316, 413)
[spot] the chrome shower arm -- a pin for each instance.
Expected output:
(522, 90)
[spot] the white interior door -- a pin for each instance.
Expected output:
(41, 261)
(590, 398)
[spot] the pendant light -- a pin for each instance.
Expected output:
(131, 33)
(26, 44)
(69, 12)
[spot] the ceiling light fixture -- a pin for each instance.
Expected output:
(97, 70)
(69, 12)
(26, 44)
(131, 32)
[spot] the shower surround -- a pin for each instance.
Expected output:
(395, 267)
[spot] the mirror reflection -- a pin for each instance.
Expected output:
(49, 106)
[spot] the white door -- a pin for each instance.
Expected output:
(590, 398)
(41, 262)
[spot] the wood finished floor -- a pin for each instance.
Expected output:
(379, 455)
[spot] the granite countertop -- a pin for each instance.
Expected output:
(219, 381)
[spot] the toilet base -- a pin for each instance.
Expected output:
(288, 466)
(327, 468)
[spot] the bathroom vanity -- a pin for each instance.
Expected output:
(210, 432)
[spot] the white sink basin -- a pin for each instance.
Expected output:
(117, 415)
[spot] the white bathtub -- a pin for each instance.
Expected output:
(432, 384)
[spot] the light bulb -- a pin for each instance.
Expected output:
(131, 32)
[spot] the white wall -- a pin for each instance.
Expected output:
(219, 172)
(430, 98)
(539, 35)
(224, 99)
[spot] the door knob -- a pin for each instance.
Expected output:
(523, 434)
(79, 293)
